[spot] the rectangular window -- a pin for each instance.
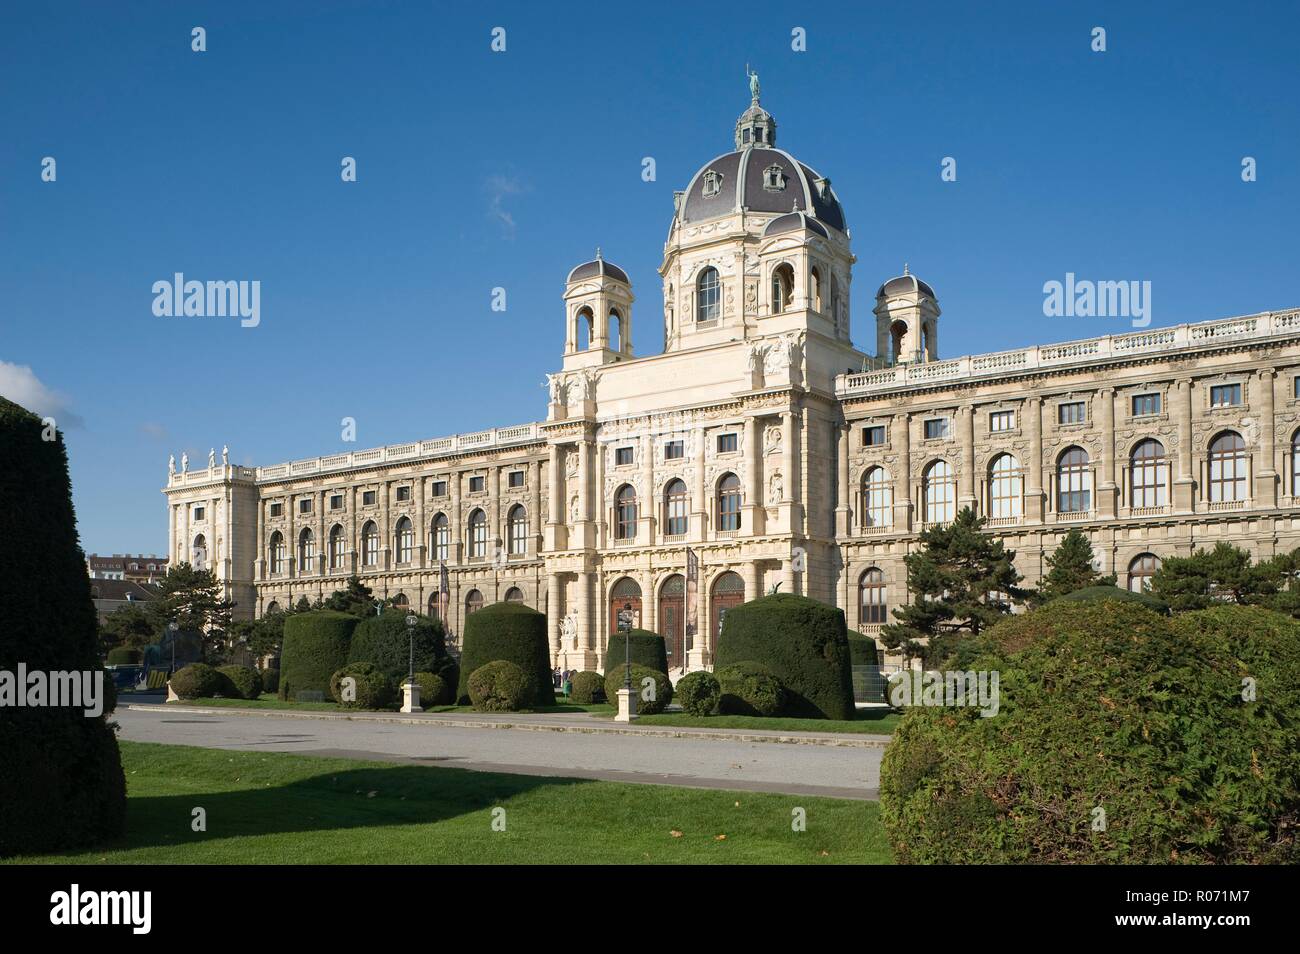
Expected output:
(440, 488)
(1146, 404)
(515, 479)
(1002, 421)
(476, 485)
(304, 505)
(403, 494)
(622, 456)
(336, 501)
(935, 428)
(1295, 386)
(873, 436)
(277, 509)
(674, 450)
(727, 443)
(1075, 412)
(198, 513)
(1225, 395)
(368, 497)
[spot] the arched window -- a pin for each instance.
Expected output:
(306, 551)
(625, 513)
(816, 290)
(871, 597)
(435, 605)
(1074, 482)
(614, 328)
(676, 520)
(271, 607)
(517, 530)
(401, 602)
(338, 545)
(277, 552)
(1227, 467)
(729, 503)
(782, 288)
(897, 334)
(877, 498)
(473, 602)
(938, 493)
(369, 544)
(514, 595)
(728, 591)
(1148, 473)
(585, 329)
(1295, 465)
(478, 534)
(199, 552)
(405, 538)
(624, 607)
(1141, 570)
(441, 537)
(672, 618)
(708, 295)
(1005, 498)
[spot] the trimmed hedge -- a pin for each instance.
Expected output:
(698, 692)
(1094, 594)
(662, 693)
(513, 632)
(801, 642)
(270, 680)
(434, 690)
(646, 648)
(242, 682)
(200, 681)
(500, 686)
(862, 650)
(315, 647)
(374, 689)
(385, 641)
(746, 688)
(588, 687)
(1109, 705)
(123, 656)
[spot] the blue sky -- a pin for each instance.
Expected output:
(479, 169)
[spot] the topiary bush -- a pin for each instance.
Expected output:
(122, 656)
(513, 632)
(1110, 706)
(270, 680)
(746, 688)
(698, 693)
(434, 690)
(243, 682)
(862, 650)
(801, 642)
(1094, 594)
(315, 647)
(374, 689)
(500, 686)
(649, 700)
(385, 641)
(588, 687)
(199, 681)
(647, 649)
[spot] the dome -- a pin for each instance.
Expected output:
(597, 267)
(760, 179)
(905, 284)
(793, 222)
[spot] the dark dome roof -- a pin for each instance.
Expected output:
(596, 267)
(792, 222)
(905, 284)
(744, 184)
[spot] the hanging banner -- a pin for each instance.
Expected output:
(692, 587)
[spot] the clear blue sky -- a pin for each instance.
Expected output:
(479, 170)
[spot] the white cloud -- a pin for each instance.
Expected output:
(20, 384)
(499, 188)
(153, 429)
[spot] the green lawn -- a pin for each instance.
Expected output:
(296, 809)
(869, 722)
(267, 701)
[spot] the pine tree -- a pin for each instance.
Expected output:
(1227, 574)
(358, 599)
(192, 599)
(1071, 569)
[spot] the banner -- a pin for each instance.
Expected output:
(692, 587)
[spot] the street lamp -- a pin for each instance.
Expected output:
(411, 620)
(172, 627)
(627, 646)
(411, 690)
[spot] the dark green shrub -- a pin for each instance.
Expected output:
(747, 688)
(1110, 706)
(650, 698)
(513, 632)
(1093, 594)
(374, 689)
(434, 690)
(646, 648)
(801, 642)
(385, 641)
(862, 650)
(199, 681)
(698, 692)
(315, 647)
(122, 656)
(500, 686)
(243, 682)
(588, 687)
(270, 680)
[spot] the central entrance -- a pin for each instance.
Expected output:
(624, 606)
(728, 591)
(672, 619)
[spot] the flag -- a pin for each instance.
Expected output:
(692, 587)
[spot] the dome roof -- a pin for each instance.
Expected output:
(905, 284)
(792, 222)
(760, 179)
(598, 266)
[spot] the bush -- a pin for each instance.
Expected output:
(199, 681)
(1110, 705)
(862, 650)
(385, 641)
(122, 656)
(646, 648)
(500, 686)
(434, 690)
(746, 688)
(515, 633)
(270, 680)
(374, 690)
(315, 647)
(660, 696)
(1093, 594)
(242, 682)
(588, 687)
(801, 642)
(698, 692)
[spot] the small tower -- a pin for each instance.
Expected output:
(907, 326)
(598, 309)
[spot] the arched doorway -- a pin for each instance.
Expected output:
(672, 619)
(625, 605)
(728, 591)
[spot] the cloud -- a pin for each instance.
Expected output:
(153, 429)
(499, 188)
(20, 384)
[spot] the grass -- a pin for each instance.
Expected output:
(274, 808)
(268, 701)
(868, 722)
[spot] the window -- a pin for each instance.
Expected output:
(1141, 570)
(873, 436)
(1295, 387)
(304, 505)
(336, 501)
(441, 537)
(277, 509)
(1228, 467)
(306, 551)
(440, 488)
(1002, 421)
(1144, 404)
(405, 538)
(712, 183)
(1074, 482)
(515, 479)
(1005, 498)
(198, 515)
(277, 552)
(674, 450)
(517, 530)
(1073, 412)
(708, 296)
(782, 288)
(369, 544)
(728, 443)
(773, 178)
(871, 598)
(622, 456)
(935, 428)
(938, 492)
(815, 278)
(337, 547)
(514, 595)
(1295, 466)
(476, 484)
(473, 602)
(676, 520)
(876, 498)
(369, 497)
(403, 494)
(478, 534)
(1225, 395)
(729, 503)
(625, 513)
(1148, 471)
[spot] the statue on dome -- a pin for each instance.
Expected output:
(753, 83)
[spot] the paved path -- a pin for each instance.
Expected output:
(716, 759)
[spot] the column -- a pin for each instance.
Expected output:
(699, 493)
(534, 508)
(171, 533)
(587, 618)
(291, 544)
(650, 506)
(753, 578)
(421, 528)
(259, 557)
(1033, 411)
(789, 506)
(902, 441)
(555, 533)
(582, 531)
(967, 437)
(456, 550)
(1266, 469)
(385, 527)
(1184, 498)
(494, 511)
(753, 509)
(555, 611)
(843, 514)
(1106, 466)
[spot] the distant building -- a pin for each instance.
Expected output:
(110, 595)
(124, 566)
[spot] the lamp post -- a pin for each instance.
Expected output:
(172, 627)
(411, 689)
(627, 647)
